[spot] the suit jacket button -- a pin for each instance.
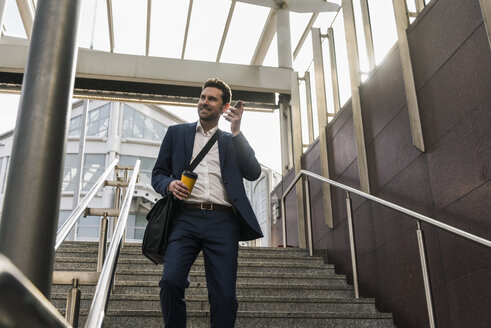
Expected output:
(225, 181)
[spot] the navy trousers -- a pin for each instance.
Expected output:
(217, 234)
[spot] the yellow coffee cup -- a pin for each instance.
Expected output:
(189, 179)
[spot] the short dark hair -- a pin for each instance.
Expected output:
(219, 84)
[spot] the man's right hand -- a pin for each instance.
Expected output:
(179, 189)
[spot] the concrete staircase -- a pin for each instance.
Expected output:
(275, 288)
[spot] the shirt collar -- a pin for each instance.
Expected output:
(200, 128)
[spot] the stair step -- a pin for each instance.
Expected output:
(250, 319)
(244, 277)
(246, 303)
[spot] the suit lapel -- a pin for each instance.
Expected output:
(190, 134)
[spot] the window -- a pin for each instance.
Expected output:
(4, 162)
(146, 166)
(94, 165)
(97, 123)
(88, 228)
(136, 227)
(139, 126)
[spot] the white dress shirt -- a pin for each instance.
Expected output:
(209, 187)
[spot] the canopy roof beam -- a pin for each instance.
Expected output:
(155, 70)
(26, 10)
(265, 40)
(225, 30)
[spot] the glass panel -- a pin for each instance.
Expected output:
(130, 25)
(62, 217)
(271, 58)
(3, 176)
(383, 27)
(94, 165)
(341, 59)
(298, 23)
(136, 125)
(168, 24)
(208, 20)
(146, 166)
(360, 37)
(94, 30)
(75, 126)
(135, 228)
(69, 172)
(245, 30)
(98, 121)
(12, 21)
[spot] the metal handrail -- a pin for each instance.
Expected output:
(22, 304)
(398, 208)
(96, 314)
(77, 212)
(414, 215)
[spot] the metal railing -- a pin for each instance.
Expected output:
(65, 229)
(414, 215)
(102, 291)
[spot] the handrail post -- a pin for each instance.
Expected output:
(309, 216)
(73, 304)
(283, 220)
(426, 276)
(101, 255)
(349, 211)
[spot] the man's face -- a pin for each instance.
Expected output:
(210, 105)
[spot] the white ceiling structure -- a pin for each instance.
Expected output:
(232, 34)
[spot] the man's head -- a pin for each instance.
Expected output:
(214, 100)
(219, 84)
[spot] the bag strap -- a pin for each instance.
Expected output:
(204, 151)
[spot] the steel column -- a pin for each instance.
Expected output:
(334, 70)
(3, 6)
(402, 22)
(308, 97)
(297, 157)
(486, 14)
(284, 39)
(149, 25)
(354, 68)
(285, 61)
(320, 91)
(31, 205)
(420, 5)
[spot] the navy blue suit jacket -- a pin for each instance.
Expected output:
(237, 161)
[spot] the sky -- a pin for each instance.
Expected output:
(168, 23)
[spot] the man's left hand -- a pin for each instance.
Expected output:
(234, 116)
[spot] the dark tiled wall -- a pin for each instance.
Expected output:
(449, 182)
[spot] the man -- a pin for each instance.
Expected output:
(216, 215)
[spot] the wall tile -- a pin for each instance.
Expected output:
(470, 306)
(399, 267)
(339, 121)
(441, 31)
(363, 228)
(368, 275)
(342, 150)
(383, 96)
(390, 152)
(460, 161)
(461, 85)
